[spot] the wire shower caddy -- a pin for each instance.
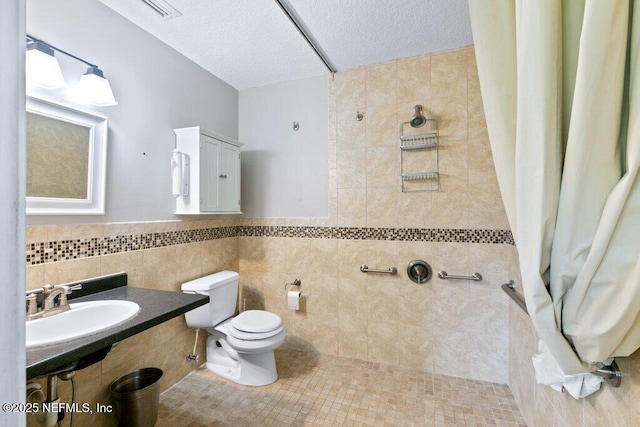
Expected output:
(414, 143)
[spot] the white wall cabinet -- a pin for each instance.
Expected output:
(214, 176)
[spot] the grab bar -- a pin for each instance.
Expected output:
(611, 374)
(476, 277)
(390, 270)
(510, 289)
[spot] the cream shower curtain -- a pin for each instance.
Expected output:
(561, 90)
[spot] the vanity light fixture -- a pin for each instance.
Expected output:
(42, 69)
(93, 86)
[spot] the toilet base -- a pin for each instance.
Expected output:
(251, 370)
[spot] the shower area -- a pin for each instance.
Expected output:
(365, 331)
(410, 178)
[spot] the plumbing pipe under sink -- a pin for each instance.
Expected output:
(36, 397)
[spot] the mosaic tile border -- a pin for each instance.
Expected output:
(64, 250)
(450, 235)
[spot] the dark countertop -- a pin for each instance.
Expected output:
(155, 307)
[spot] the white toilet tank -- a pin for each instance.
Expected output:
(222, 289)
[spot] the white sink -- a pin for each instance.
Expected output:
(83, 318)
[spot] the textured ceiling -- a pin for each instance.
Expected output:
(250, 43)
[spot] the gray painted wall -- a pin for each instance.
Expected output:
(157, 89)
(12, 188)
(284, 172)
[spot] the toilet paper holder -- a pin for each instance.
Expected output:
(295, 283)
(294, 297)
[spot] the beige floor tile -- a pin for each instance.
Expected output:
(321, 390)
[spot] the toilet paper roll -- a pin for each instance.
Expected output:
(293, 300)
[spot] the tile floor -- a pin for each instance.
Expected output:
(320, 390)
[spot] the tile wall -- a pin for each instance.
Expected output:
(164, 261)
(447, 327)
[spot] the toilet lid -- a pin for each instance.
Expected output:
(256, 321)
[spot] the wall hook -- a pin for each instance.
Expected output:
(296, 126)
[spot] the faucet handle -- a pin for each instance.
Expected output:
(32, 304)
(46, 289)
(69, 288)
(66, 290)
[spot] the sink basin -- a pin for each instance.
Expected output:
(83, 318)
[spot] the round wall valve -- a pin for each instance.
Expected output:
(419, 271)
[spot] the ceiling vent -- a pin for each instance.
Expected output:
(163, 9)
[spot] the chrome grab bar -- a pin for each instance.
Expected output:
(510, 289)
(476, 277)
(611, 374)
(390, 270)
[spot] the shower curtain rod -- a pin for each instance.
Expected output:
(298, 24)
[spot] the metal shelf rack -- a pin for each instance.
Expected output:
(412, 143)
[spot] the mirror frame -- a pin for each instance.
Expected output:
(98, 125)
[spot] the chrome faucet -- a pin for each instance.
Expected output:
(49, 307)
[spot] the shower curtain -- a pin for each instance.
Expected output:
(560, 83)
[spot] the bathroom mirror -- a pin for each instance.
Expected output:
(66, 160)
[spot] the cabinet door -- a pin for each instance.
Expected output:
(209, 171)
(230, 178)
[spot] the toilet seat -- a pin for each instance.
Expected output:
(257, 346)
(253, 325)
(256, 321)
(252, 336)
(251, 342)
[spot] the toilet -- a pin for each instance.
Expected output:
(239, 348)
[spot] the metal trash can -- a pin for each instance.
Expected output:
(136, 396)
